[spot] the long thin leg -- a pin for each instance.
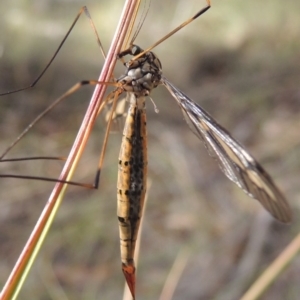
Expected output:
(56, 102)
(49, 108)
(116, 95)
(69, 92)
(73, 89)
(83, 9)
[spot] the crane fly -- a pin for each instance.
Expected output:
(143, 74)
(235, 162)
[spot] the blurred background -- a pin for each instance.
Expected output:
(240, 61)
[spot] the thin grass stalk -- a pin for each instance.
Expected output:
(175, 274)
(273, 271)
(33, 245)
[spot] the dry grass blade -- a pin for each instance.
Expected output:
(174, 275)
(273, 271)
(26, 259)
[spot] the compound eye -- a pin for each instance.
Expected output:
(136, 50)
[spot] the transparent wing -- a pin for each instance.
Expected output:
(236, 163)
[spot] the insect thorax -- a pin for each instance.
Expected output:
(143, 74)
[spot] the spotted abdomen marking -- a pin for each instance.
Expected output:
(132, 177)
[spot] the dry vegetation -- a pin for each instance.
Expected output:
(240, 61)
